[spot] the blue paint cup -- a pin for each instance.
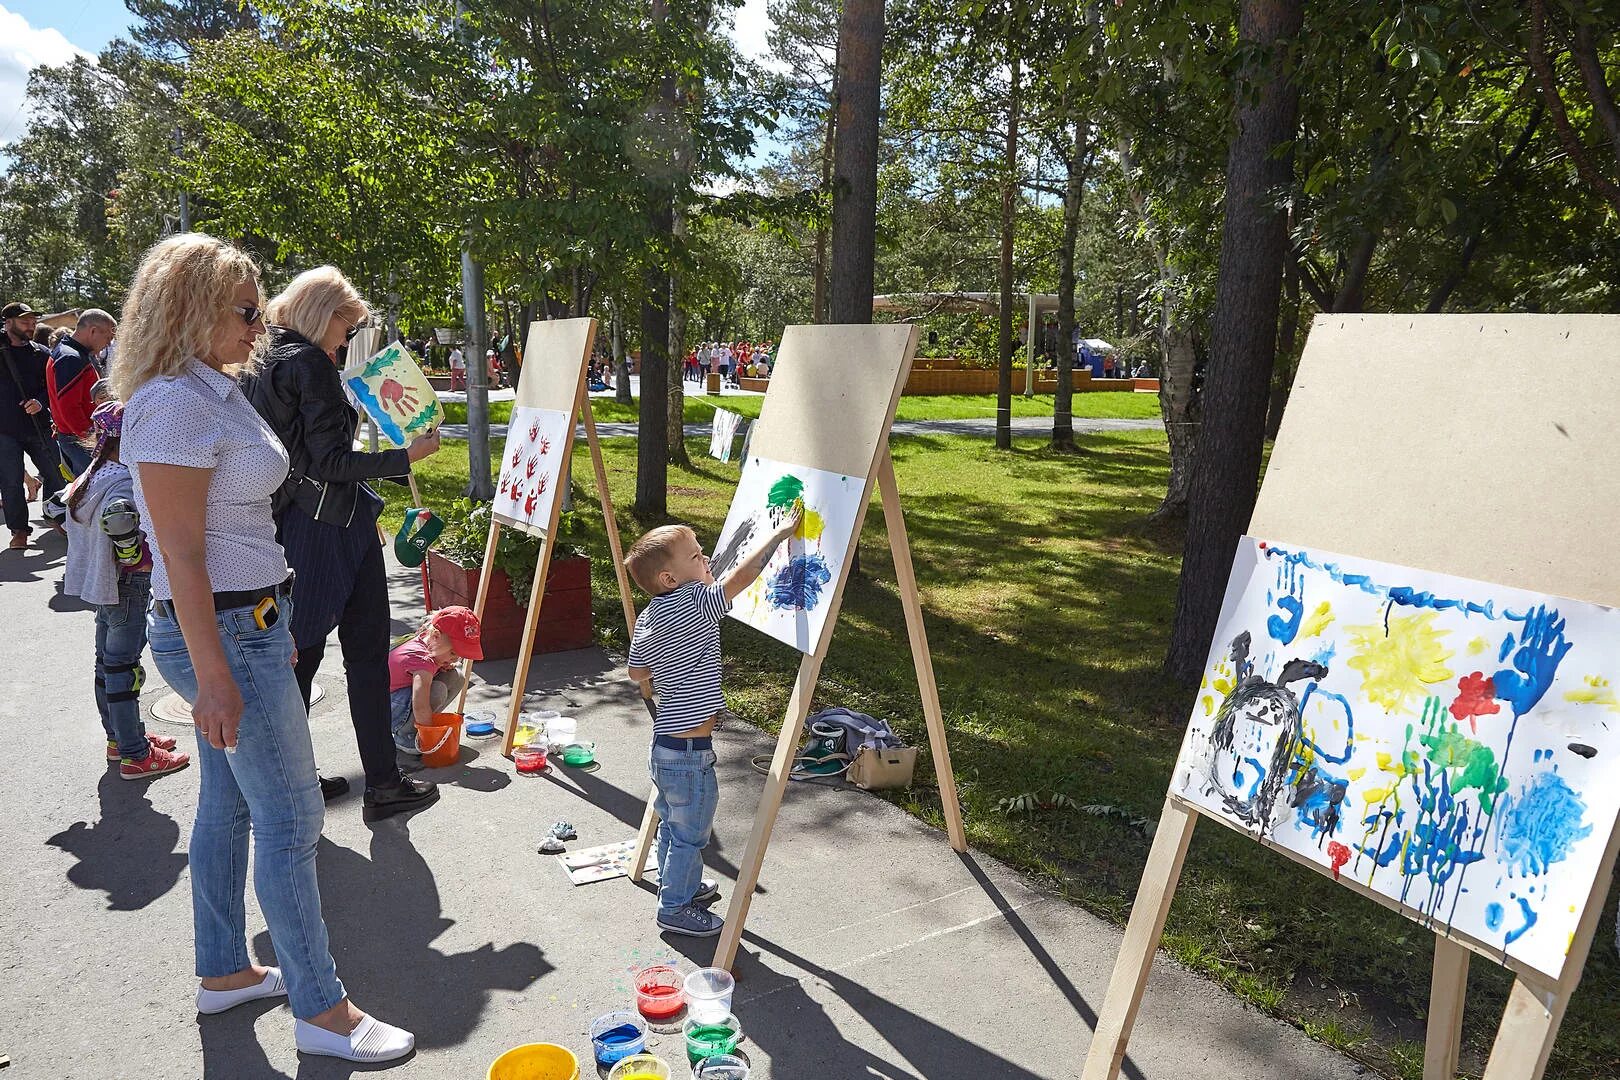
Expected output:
(618, 1035)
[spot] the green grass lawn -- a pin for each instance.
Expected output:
(700, 410)
(1048, 604)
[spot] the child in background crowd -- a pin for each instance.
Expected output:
(109, 565)
(421, 672)
(676, 644)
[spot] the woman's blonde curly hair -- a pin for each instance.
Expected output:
(182, 292)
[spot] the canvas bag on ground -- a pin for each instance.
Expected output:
(879, 769)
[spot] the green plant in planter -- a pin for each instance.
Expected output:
(466, 533)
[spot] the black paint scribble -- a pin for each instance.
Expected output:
(1583, 750)
(731, 548)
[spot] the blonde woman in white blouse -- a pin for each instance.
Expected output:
(205, 467)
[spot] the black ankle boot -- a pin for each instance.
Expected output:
(332, 787)
(407, 794)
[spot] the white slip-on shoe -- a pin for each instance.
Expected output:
(217, 1001)
(371, 1040)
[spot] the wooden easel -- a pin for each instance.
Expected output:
(555, 366)
(810, 384)
(1480, 423)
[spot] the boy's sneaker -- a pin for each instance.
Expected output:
(691, 921)
(162, 742)
(158, 762)
(708, 892)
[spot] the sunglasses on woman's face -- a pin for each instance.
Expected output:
(250, 315)
(355, 329)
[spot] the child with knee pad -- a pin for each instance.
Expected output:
(109, 565)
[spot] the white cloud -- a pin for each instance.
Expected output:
(22, 49)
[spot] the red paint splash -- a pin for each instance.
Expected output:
(1475, 697)
(1338, 855)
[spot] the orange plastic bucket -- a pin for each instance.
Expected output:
(536, 1061)
(440, 741)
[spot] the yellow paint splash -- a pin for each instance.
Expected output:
(1209, 705)
(1396, 666)
(1317, 621)
(1597, 691)
(1477, 646)
(811, 525)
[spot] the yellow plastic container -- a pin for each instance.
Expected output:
(536, 1061)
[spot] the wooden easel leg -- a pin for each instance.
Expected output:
(1524, 1040)
(939, 748)
(478, 606)
(770, 802)
(1142, 936)
(1447, 993)
(645, 838)
(520, 675)
(615, 548)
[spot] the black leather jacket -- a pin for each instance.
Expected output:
(300, 396)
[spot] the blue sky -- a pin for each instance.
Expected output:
(89, 24)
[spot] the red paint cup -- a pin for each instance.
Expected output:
(659, 992)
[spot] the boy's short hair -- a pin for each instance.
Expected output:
(650, 556)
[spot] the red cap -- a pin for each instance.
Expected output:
(461, 627)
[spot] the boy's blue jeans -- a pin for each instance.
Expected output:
(120, 640)
(267, 786)
(688, 795)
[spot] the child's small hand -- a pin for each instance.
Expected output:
(790, 523)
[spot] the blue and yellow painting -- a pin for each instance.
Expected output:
(1441, 741)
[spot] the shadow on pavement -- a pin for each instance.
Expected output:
(132, 853)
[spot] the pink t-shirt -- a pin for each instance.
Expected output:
(412, 656)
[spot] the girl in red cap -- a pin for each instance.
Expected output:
(422, 676)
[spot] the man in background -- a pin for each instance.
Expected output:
(25, 419)
(69, 374)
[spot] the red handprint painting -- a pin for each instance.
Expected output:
(397, 397)
(530, 471)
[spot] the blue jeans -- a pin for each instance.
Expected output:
(120, 640)
(267, 786)
(688, 795)
(12, 491)
(74, 452)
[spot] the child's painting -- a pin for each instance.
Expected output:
(394, 393)
(723, 433)
(590, 865)
(789, 600)
(531, 467)
(1449, 744)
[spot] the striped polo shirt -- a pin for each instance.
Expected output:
(678, 638)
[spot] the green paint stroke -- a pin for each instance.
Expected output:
(785, 492)
(1476, 762)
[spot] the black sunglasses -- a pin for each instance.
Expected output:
(250, 315)
(356, 328)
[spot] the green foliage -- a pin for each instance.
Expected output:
(466, 537)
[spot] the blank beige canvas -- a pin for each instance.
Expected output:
(832, 396)
(554, 363)
(1478, 445)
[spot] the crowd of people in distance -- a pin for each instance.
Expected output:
(731, 360)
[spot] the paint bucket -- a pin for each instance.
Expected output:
(642, 1067)
(721, 1067)
(659, 993)
(440, 741)
(560, 731)
(579, 754)
(479, 725)
(531, 758)
(617, 1035)
(536, 1061)
(708, 994)
(706, 1038)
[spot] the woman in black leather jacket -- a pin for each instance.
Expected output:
(326, 515)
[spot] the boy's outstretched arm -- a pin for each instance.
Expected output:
(744, 573)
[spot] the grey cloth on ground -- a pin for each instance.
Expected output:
(859, 730)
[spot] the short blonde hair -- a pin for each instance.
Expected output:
(650, 555)
(310, 300)
(180, 296)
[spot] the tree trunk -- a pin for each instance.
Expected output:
(1243, 338)
(1178, 407)
(652, 436)
(1009, 203)
(854, 205)
(1073, 192)
(676, 411)
(621, 358)
(1282, 376)
(818, 309)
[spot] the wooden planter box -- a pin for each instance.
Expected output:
(565, 613)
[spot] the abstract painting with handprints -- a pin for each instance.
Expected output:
(1449, 744)
(789, 600)
(531, 465)
(394, 393)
